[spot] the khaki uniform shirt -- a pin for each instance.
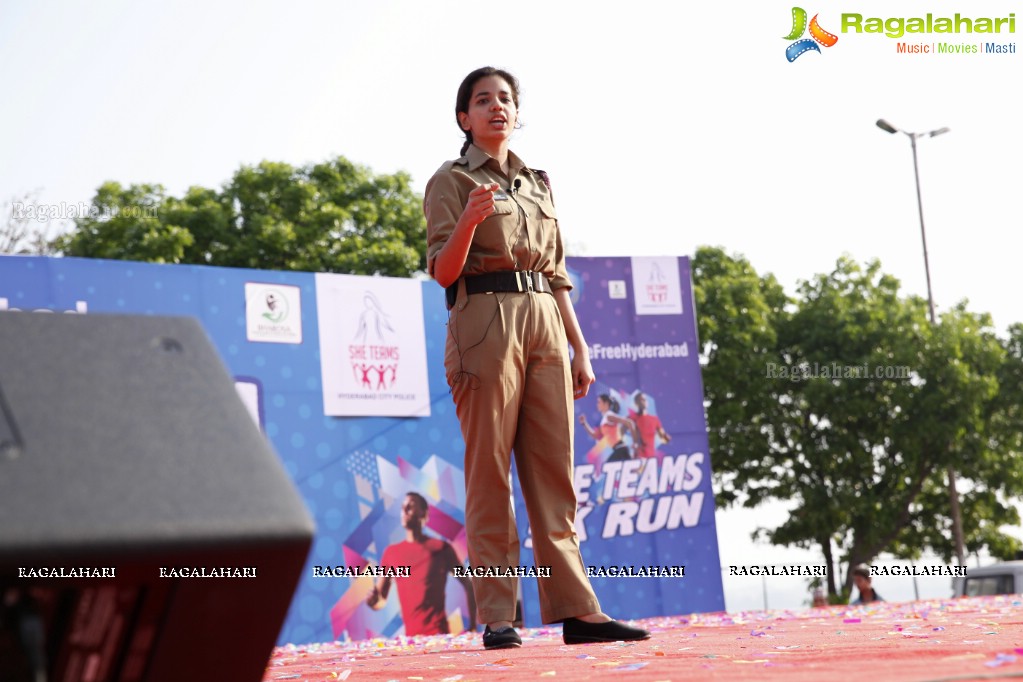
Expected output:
(521, 234)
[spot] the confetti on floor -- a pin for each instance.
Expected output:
(924, 641)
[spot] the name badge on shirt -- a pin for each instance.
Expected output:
(500, 195)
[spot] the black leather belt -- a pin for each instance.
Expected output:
(506, 281)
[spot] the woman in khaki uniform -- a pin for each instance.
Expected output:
(494, 244)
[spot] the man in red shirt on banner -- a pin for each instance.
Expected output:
(649, 426)
(430, 560)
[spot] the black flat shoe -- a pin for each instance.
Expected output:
(505, 638)
(575, 631)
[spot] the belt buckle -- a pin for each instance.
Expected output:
(529, 281)
(521, 275)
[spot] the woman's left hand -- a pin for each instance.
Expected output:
(582, 370)
(582, 375)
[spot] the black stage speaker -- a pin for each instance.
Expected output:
(147, 529)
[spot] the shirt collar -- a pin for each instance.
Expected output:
(476, 157)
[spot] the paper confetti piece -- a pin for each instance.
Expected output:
(549, 673)
(853, 620)
(632, 666)
(963, 657)
(1001, 659)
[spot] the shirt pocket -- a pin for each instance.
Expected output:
(492, 236)
(548, 220)
(547, 211)
(502, 207)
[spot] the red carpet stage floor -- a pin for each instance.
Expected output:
(943, 640)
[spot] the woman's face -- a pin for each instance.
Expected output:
(603, 405)
(492, 112)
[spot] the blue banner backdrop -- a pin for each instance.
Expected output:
(653, 507)
(648, 503)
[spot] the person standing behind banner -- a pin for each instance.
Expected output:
(431, 560)
(609, 433)
(493, 243)
(649, 427)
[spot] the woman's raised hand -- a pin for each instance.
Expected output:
(480, 204)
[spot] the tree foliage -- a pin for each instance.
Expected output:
(23, 231)
(846, 402)
(326, 217)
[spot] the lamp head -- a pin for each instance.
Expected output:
(886, 126)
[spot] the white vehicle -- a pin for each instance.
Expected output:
(1004, 578)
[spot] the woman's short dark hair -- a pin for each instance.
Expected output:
(612, 403)
(465, 94)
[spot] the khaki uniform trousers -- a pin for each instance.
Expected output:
(508, 367)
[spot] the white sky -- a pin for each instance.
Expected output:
(663, 125)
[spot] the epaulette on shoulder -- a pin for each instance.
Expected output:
(543, 176)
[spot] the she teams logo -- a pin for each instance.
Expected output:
(374, 351)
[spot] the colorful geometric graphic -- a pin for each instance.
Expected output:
(380, 486)
(818, 35)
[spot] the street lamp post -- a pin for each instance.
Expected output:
(953, 492)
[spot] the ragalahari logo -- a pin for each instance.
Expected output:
(374, 352)
(817, 35)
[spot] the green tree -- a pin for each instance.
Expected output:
(738, 314)
(862, 455)
(326, 217)
(25, 229)
(983, 375)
